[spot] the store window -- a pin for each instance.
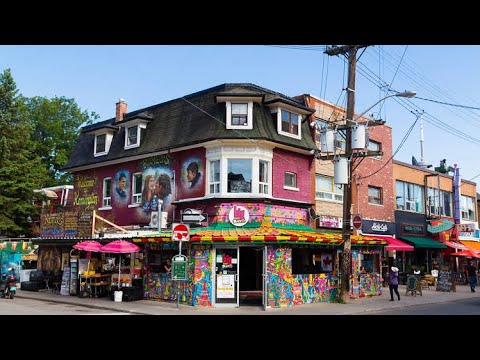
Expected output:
(158, 260)
(312, 261)
(370, 262)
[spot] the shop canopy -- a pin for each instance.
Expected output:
(424, 242)
(455, 245)
(286, 234)
(472, 245)
(395, 244)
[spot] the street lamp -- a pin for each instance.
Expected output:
(347, 196)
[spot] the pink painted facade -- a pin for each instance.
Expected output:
(298, 164)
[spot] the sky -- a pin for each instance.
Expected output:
(97, 76)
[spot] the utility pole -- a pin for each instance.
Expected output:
(347, 188)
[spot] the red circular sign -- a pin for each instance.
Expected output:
(357, 222)
(180, 231)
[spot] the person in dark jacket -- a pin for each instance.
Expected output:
(472, 276)
(393, 282)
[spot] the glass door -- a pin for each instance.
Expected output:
(226, 276)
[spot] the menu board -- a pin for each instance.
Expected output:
(65, 287)
(444, 281)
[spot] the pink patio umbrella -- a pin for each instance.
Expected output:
(89, 246)
(119, 247)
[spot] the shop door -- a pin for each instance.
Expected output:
(226, 276)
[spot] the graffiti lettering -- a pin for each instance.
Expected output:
(155, 161)
(49, 220)
(85, 200)
(84, 182)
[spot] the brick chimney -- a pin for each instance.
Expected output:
(121, 110)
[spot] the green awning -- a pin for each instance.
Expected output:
(424, 242)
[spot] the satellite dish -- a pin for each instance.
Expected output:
(414, 161)
(312, 213)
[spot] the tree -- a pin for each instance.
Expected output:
(55, 128)
(21, 170)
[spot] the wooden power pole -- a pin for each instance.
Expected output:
(347, 189)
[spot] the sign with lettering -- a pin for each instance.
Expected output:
(413, 229)
(179, 267)
(439, 226)
(444, 280)
(330, 221)
(378, 227)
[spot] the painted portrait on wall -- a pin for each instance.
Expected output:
(122, 186)
(157, 185)
(192, 177)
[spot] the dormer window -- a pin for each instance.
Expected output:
(103, 140)
(290, 122)
(239, 115)
(133, 126)
(132, 136)
(103, 136)
(100, 141)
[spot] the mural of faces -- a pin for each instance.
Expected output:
(122, 186)
(192, 175)
(157, 185)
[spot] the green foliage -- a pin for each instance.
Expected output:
(21, 170)
(55, 128)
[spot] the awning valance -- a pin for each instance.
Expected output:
(395, 244)
(424, 242)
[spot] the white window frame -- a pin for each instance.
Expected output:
(254, 153)
(136, 197)
(410, 204)
(132, 145)
(279, 124)
(467, 210)
(140, 124)
(380, 193)
(106, 200)
(263, 186)
(108, 142)
(288, 187)
(214, 185)
(335, 196)
(249, 124)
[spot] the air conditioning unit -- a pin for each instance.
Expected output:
(154, 219)
(410, 205)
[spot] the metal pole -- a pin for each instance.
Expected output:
(178, 282)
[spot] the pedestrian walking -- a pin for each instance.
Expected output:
(393, 282)
(472, 275)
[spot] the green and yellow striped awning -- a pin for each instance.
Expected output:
(291, 234)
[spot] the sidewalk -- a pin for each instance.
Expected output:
(355, 306)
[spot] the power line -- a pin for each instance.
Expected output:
(449, 104)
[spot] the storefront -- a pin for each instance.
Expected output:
(268, 265)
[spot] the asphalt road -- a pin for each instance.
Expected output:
(458, 307)
(18, 306)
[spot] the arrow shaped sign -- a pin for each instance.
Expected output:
(194, 218)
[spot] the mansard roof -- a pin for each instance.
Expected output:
(191, 120)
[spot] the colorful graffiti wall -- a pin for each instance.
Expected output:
(285, 289)
(361, 285)
(202, 257)
(264, 213)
